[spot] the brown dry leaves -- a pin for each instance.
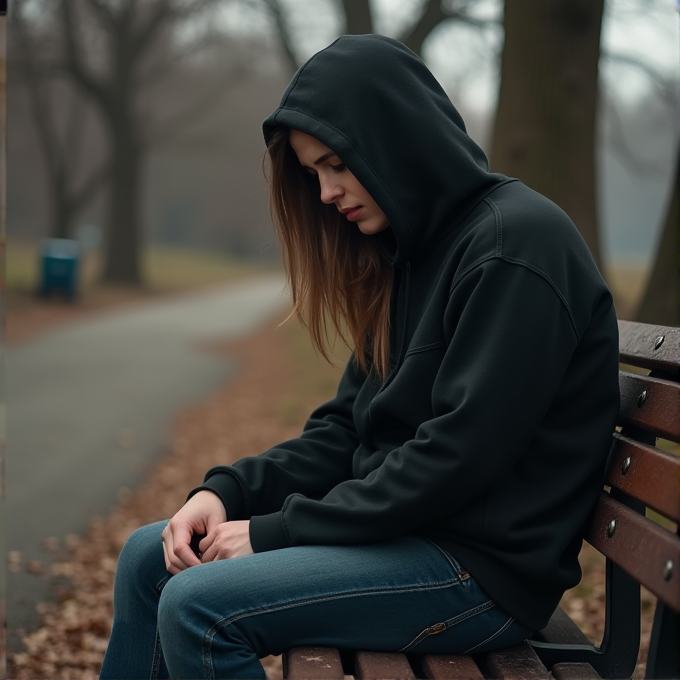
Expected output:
(279, 383)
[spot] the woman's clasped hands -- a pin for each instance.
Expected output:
(203, 515)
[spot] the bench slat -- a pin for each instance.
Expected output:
(650, 403)
(647, 470)
(639, 546)
(450, 667)
(314, 663)
(574, 671)
(382, 665)
(637, 342)
(516, 663)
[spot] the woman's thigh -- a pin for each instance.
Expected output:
(405, 594)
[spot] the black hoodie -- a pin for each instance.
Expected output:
(490, 434)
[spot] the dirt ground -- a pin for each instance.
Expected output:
(279, 383)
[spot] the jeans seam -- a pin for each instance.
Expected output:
(156, 660)
(161, 584)
(450, 623)
(449, 558)
(157, 650)
(479, 609)
(501, 630)
(219, 625)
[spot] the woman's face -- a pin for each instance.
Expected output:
(337, 184)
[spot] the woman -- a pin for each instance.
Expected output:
(418, 510)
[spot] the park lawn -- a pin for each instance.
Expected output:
(165, 270)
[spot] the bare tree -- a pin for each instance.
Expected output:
(358, 16)
(128, 31)
(434, 13)
(61, 144)
(107, 50)
(358, 20)
(544, 131)
(660, 303)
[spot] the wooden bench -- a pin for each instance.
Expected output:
(643, 476)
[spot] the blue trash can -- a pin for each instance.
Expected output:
(59, 260)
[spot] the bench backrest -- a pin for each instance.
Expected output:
(635, 523)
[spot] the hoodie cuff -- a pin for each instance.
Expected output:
(266, 533)
(229, 490)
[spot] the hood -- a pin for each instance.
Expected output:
(373, 101)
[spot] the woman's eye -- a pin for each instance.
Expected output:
(338, 168)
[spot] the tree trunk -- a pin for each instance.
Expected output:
(661, 301)
(123, 228)
(61, 209)
(123, 234)
(358, 17)
(544, 132)
(432, 15)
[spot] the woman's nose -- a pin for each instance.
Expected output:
(330, 191)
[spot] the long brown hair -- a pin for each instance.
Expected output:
(336, 274)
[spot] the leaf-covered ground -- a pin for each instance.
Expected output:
(280, 381)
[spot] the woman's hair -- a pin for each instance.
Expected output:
(336, 273)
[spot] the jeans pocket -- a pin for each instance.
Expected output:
(462, 573)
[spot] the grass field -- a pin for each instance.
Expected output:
(164, 270)
(627, 280)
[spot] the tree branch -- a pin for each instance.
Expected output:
(359, 17)
(61, 157)
(35, 83)
(94, 182)
(75, 63)
(156, 72)
(283, 31)
(166, 11)
(661, 83)
(143, 38)
(75, 133)
(434, 13)
(212, 95)
(621, 145)
(103, 12)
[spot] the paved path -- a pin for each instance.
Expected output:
(89, 407)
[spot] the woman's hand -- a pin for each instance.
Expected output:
(201, 515)
(231, 539)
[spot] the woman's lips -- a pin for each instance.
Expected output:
(353, 214)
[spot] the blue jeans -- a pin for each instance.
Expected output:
(215, 620)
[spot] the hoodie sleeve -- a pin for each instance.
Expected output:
(510, 339)
(311, 464)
